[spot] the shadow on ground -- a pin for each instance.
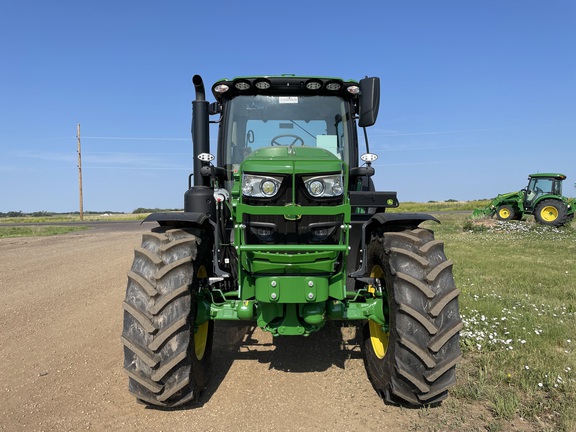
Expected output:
(333, 345)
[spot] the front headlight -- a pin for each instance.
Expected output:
(256, 186)
(324, 186)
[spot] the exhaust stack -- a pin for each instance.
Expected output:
(200, 197)
(200, 130)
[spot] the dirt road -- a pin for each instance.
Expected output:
(61, 356)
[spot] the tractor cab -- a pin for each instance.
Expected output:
(540, 185)
(291, 113)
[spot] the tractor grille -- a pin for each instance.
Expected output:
(275, 229)
(304, 229)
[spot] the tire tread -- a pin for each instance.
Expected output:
(419, 365)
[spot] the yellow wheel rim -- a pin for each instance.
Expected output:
(200, 339)
(504, 213)
(201, 334)
(549, 213)
(378, 338)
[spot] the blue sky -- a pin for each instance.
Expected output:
(476, 94)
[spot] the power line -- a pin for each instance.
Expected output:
(138, 153)
(136, 138)
(393, 134)
(138, 168)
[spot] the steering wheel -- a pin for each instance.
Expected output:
(538, 191)
(275, 141)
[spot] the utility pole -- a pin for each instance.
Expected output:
(80, 172)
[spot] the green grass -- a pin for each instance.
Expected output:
(518, 304)
(47, 230)
(440, 206)
(73, 218)
(37, 230)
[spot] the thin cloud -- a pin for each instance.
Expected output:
(46, 156)
(90, 153)
(145, 168)
(393, 134)
(439, 132)
(111, 160)
(410, 163)
(134, 138)
(433, 147)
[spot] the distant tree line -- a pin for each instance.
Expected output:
(45, 213)
(22, 214)
(141, 210)
(448, 200)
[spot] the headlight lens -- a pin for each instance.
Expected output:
(260, 186)
(316, 187)
(324, 186)
(269, 187)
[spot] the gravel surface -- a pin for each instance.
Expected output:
(61, 356)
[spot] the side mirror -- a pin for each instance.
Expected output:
(369, 101)
(362, 171)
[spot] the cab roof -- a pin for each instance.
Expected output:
(556, 176)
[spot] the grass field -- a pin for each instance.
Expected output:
(72, 218)
(518, 304)
(42, 225)
(37, 230)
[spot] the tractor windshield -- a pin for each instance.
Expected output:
(256, 121)
(543, 186)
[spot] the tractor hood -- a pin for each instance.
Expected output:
(288, 160)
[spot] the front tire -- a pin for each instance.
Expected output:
(506, 213)
(551, 212)
(166, 356)
(412, 360)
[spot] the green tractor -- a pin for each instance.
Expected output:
(541, 198)
(287, 232)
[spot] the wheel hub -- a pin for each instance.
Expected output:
(200, 339)
(378, 337)
(549, 213)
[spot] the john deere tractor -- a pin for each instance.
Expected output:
(541, 198)
(283, 228)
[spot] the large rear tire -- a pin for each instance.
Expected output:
(412, 360)
(551, 212)
(165, 356)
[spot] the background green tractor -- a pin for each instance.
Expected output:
(541, 198)
(287, 231)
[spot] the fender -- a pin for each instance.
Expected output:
(390, 222)
(408, 220)
(177, 218)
